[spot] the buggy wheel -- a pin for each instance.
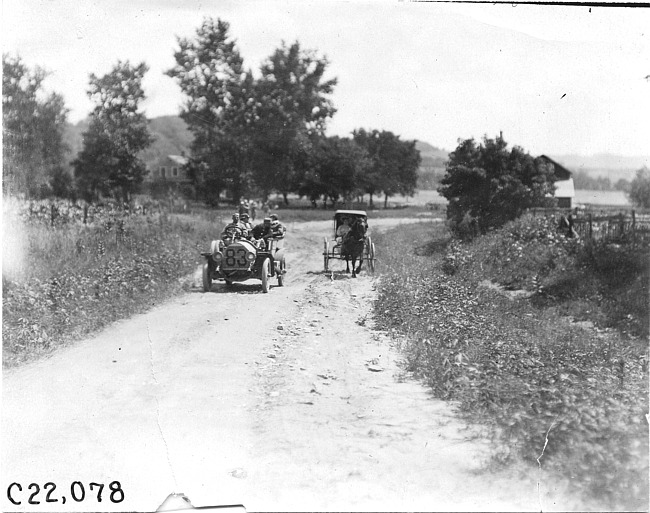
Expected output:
(265, 275)
(207, 279)
(283, 266)
(326, 255)
(371, 258)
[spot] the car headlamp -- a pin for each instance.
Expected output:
(217, 256)
(250, 256)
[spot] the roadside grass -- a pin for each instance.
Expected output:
(522, 366)
(63, 282)
(64, 279)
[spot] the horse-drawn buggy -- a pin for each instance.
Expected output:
(240, 259)
(350, 242)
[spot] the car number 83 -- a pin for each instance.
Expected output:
(236, 257)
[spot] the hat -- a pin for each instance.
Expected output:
(274, 217)
(244, 216)
(267, 220)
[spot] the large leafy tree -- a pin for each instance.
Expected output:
(487, 184)
(118, 132)
(292, 108)
(640, 188)
(393, 164)
(219, 110)
(337, 165)
(32, 128)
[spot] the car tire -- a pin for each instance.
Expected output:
(207, 279)
(283, 266)
(265, 275)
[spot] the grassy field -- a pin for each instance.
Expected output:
(65, 279)
(534, 336)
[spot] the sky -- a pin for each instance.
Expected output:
(554, 79)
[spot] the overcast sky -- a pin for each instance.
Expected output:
(555, 80)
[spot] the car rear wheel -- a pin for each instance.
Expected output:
(207, 279)
(283, 266)
(265, 275)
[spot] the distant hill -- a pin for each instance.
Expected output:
(171, 137)
(432, 167)
(604, 165)
(432, 156)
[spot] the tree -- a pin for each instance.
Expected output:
(337, 165)
(622, 185)
(32, 126)
(487, 185)
(109, 162)
(220, 108)
(640, 188)
(394, 164)
(292, 110)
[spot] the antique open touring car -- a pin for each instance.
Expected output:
(242, 259)
(344, 220)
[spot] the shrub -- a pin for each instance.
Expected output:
(516, 365)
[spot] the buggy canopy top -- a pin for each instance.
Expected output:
(352, 213)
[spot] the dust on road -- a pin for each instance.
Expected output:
(280, 401)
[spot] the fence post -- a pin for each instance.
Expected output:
(633, 228)
(591, 228)
(621, 217)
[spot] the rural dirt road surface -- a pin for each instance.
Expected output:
(280, 401)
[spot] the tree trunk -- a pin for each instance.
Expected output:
(370, 204)
(385, 201)
(286, 200)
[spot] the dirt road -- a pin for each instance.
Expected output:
(279, 401)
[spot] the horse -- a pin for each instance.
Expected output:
(352, 245)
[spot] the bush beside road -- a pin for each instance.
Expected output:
(524, 330)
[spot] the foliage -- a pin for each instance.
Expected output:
(268, 133)
(517, 364)
(394, 164)
(488, 185)
(219, 110)
(292, 107)
(109, 162)
(70, 278)
(640, 188)
(337, 165)
(32, 126)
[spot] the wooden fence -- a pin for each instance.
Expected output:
(627, 227)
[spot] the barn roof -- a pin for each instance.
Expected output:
(181, 161)
(561, 172)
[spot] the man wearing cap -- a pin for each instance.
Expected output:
(262, 231)
(277, 228)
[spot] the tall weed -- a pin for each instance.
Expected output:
(521, 366)
(61, 282)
